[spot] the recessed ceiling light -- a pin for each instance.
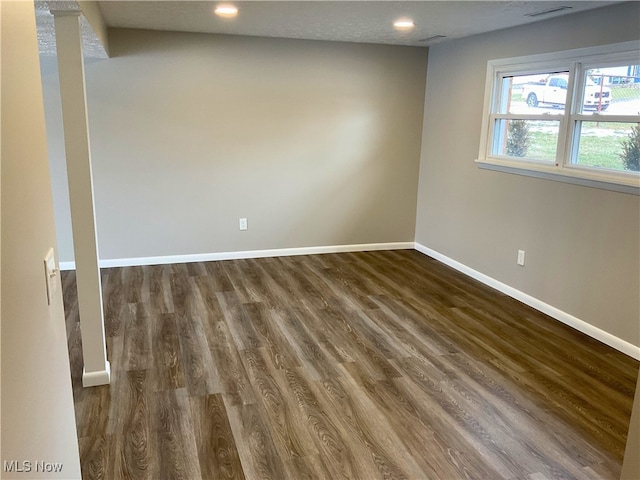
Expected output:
(404, 24)
(227, 11)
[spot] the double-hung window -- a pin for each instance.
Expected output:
(570, 116)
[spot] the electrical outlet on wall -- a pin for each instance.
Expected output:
(243, 224)
(521, 258)
(50, 272)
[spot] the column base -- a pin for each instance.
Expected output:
(100, 377)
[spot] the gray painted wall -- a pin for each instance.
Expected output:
(582, 244)
(316, 143)
(38, 420)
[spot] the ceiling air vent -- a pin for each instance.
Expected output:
(547, 12)
(433, 38)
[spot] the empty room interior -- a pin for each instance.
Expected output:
(320, 239)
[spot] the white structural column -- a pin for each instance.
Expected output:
(76, 140)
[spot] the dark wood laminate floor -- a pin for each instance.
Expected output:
(362, 365)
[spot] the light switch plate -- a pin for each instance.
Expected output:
(50, 272)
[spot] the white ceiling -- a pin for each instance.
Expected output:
(350, 21)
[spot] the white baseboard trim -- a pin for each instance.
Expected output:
(67, 266)
(566, 318)
(210, 257)
(93, 379)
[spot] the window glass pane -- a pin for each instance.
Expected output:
(612, 90)
(615, 146)
(530, 139)
(534, 94)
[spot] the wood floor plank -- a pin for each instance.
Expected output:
(489, 384)
(332, 440)
(256, 449)
(276, 343)
(94, 411)
(256, 283)
(276, 292)
(135, 441)
(275, 273)
(239, 321)
(362, 365)
(385, 344)
(210, 307)
(402, 316)
(114, 300)
(96, 456)
(436, 409)
(117, 387)
(388, 453)
(167, 366)
(160, 288)
(196, 269)
(137, 337)
(137, 286)
(176, 451)
(337, 280)
(200, 372)
(217, 451)
(219, 279)
(74, 344)
(285, 419)
(69, 289)
(234, 275)
(299, 289)
(361, 347)
(314, 358)
(308, 468)
(436, 454)
(226, 359)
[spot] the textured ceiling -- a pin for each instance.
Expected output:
(351, 21)
(46, 29)
(348, 21)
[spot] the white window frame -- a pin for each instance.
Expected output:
(576, 62)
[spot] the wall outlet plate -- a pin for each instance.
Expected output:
(243, 224)
(50, 272)
(521, 257)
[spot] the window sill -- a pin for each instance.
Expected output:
(573, 176)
